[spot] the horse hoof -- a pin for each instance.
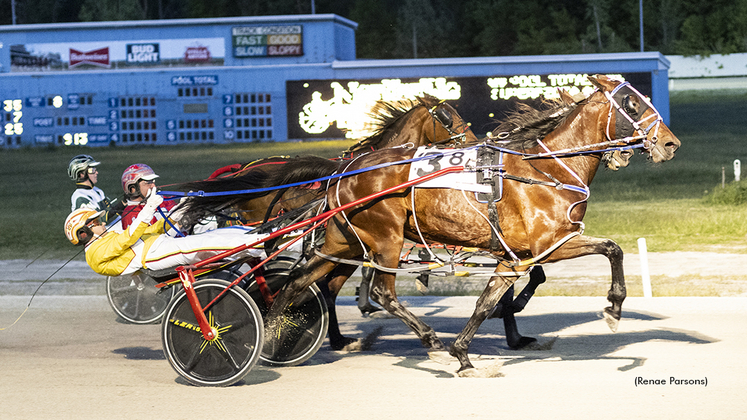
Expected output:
(536, 346)
(355, 346)
(441, 356)
(612, 321)
(343, 344)
(363, 344)
(368, 309)
(522, 343)
(492, 371)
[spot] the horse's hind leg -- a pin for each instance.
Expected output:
(364, 304)
(383, 292)
(497, 287)
(586, 245)
(508, 306)
(299, 280)
(331, 289)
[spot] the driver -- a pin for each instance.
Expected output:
(141, 245)
(82, 169)
(137, 182)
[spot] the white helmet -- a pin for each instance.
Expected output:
(76, 225)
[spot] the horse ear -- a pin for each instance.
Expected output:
(602, 82)
(569, 99)
(565, 96)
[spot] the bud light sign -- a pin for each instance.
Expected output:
(143, 54)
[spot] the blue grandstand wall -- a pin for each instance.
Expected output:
(254, 79)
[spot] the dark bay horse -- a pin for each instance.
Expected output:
(540, 212)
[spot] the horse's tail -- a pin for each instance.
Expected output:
(292, 170)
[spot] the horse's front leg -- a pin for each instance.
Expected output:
(587, 245)
(497, 287)
(383, 292)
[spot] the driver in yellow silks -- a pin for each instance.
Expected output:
(118, 252)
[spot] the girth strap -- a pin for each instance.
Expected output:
(487, 160)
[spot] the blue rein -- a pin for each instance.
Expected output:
(175, 194)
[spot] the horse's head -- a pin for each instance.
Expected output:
(633, 119)
(445, 125)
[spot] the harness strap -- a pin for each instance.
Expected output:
(372, 264)
(556, 245)
(428, 267)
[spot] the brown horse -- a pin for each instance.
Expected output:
(538, 219)
(423, 121)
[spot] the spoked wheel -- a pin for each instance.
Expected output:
(135, 298)
(226, 359)
(304, 325)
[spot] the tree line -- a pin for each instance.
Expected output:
(467, 28)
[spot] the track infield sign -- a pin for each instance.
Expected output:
(263, 41)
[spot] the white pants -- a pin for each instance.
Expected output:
(167, 252)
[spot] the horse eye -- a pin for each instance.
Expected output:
(444, 117)
(630, 105)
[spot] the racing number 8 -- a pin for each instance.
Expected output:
(455, 159)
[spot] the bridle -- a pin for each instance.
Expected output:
(443, 116)
(632, 127)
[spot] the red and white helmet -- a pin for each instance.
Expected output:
(134, 173)
(76, 225)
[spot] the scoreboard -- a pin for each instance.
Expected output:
(256, 79)
(193, 109)
(336, 108)
(188, 109)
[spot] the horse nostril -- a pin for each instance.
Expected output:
(672, 145)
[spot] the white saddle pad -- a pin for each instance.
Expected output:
(443, 158)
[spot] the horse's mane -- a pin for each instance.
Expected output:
(383, 115)
(293, 170)
(526, 124)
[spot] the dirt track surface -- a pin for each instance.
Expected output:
(69, 357)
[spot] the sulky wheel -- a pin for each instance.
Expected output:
(232, 354)
(304, 325)
(135, 298)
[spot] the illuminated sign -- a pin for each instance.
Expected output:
(75, 139)
(263, 41)
(14, 109)
(350, 100)
(339, 108)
